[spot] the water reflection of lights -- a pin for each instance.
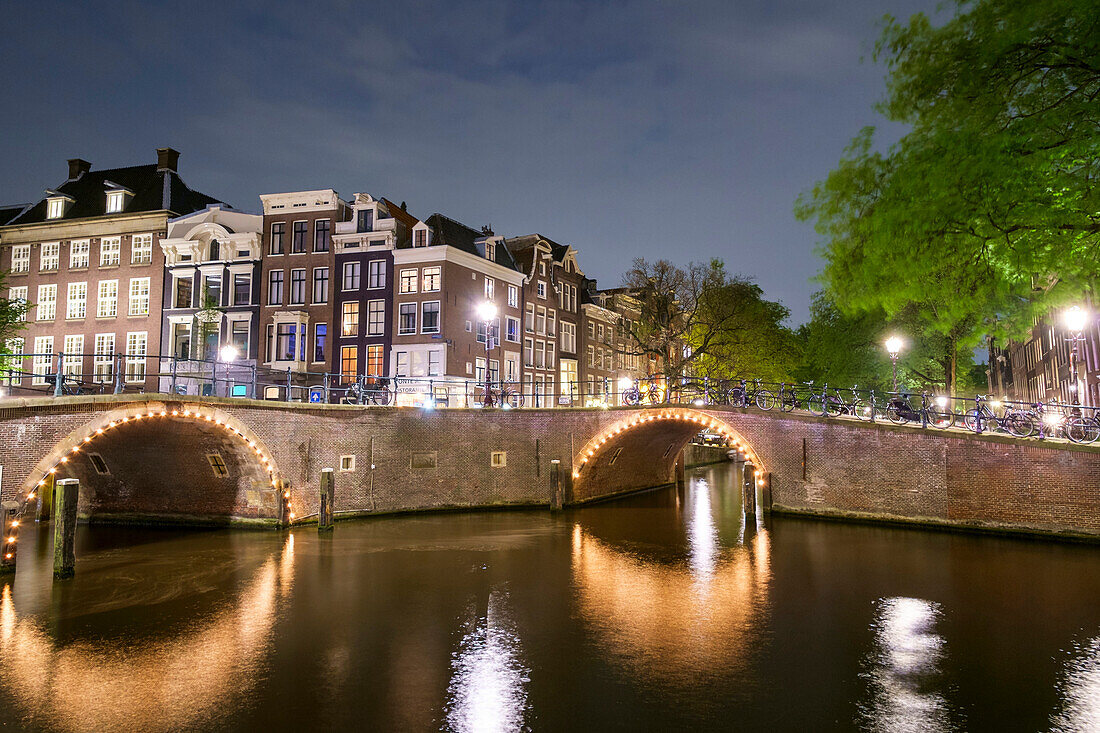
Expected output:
(904, 668)
(651, 619)
(95, 685)
(1080, 691)
(702, 535)
(488, 690)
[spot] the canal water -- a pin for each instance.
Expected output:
(659, 612)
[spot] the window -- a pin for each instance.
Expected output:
(376, 243)
(320, 336)
(375, 367)
(217, 464)
(349, 320)
(139, 296)
(347, 464)
(76, 301)
(242, 289)
(215, 251)
(529, 318)
(238, 337)
(408, 281)
(402, 364)
(435, 363)
(115, 199)
(49, 259)
(103, 361)
(109, 248)
(297, 287)
(135, 356)
(423, 459)
(540, 355)
(141, 249)
(349, 363)
(420, 238)
(493, 330)
(513, 296)
(569, 337)
(286, 341)
(320, 285)
(107, 303)
(490, 251)
(498, 459)
(365, 221)
(15, 347)
(406, 319)
(540, 321)
(322, 230)
(549, 354)
(78, 254)
(511, 367)
(511, 331)
(47, 302)
(551, 323)
(479, 369)
(541, 287)
(298, 237)
(528, 352)
(376, 274)
(490, 288)
(21, 258)
(74, 356)
(431, 279)
(55, 208)
(278, 230)
(429, 317)
(183, 292)
(376, 317)
(542, 269)
(212, 294)
(42, 361)
(351, 276)
(18, 296)
(275, 288)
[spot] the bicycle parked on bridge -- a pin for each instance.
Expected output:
(1020, 423)
(369, 391)
(645, 389)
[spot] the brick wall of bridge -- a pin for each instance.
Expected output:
(815, 466)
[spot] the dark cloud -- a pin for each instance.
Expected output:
(674, 129)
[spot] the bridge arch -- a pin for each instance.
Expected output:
(180, 443)
(640, 450)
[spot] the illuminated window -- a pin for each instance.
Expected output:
(139, 296)
(217, 464)
(408, 281)
(49, 258)
(78, 254)
(349, 321)
(76, 301)
(115, 200)
(55, 208)
(21, 258)
(47, 302)
(349, 363)
(498, 459)
(375, 365)
(431, 279)
(141, 249)
(107, 302)
(109, 248)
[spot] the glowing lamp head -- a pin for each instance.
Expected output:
(995, 404)
(941, 402)
(228, 353)
(1053, 419)
(486, 311)
(893, 345)
(625, 383)
(1075, 319)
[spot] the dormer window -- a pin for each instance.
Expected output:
(420, 238)
(115, 201)
(55, 208)
(491, 251)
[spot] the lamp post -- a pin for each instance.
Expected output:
(893, 347)
(227, 355)
(487, 313)
(1075, 320)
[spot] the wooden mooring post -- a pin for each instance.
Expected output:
(65, 495)
(557, 496)
(748, 494)
(327, 497)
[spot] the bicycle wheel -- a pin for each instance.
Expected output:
(631, 397)
(1083, 430)
(1019, 424)
(895, 413)
(765, 400)
(816, 405)
(941, 417)
(860, 409)
(834, 407)
(787, 402)
(971, 420)
(735, 397)
(654, 396)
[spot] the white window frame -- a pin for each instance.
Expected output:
(103, 360)
(46, 306)
(74, 355)
(141, 249)
(540, 289)
(403, 331)
(438, 316)
(432, 279)
(376, 327)
(406, 281)
(49, 257)
(376, 269)
(79, 254)
(137, 345)
(76, 301)
(490, 288)
(109, 298)
(18, 295)
(42, 361)
(110, 249)
(55, 208)
(513, 296)
(138, 299)
(115, 201)
(21, 258)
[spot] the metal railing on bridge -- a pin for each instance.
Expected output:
(117, 373)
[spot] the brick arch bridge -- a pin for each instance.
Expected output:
(220, 460)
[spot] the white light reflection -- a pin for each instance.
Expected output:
(702, 534)
(488, 690)
(904, 669)
(1080, 690)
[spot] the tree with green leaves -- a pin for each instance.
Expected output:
(12, 321)
(986, 213)
(701, 320)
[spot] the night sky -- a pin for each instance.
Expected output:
(682, 130)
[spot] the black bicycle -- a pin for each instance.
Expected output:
(369, 391)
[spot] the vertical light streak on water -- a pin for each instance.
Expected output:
(702, 534)
(904, 669)
(488, 689)
(1080, 691)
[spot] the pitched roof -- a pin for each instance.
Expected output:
(154, 189)
(447, 231)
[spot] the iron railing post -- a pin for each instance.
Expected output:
(118, 373)
(924, 409)
(288, 384)
(255, 379)
(174, 375)
(58, 375)
(325, 388)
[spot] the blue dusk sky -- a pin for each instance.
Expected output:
(682, 130)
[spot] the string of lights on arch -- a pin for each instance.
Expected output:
(197, 414)
(703, 420)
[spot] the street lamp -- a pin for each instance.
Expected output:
(487, 312)
(893, 347)
(1075, 320)
(227, 354)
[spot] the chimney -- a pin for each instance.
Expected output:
(78, 167)
(167, 159)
